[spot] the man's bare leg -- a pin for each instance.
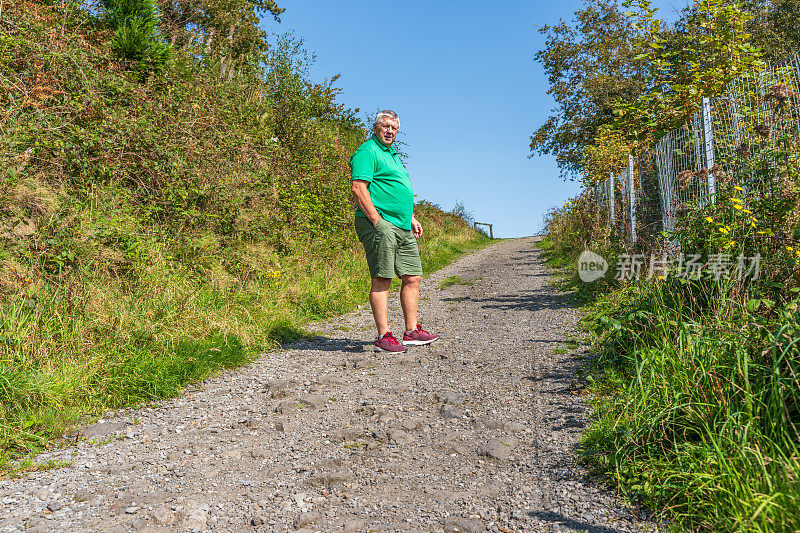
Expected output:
(409, 300)
(379, 301)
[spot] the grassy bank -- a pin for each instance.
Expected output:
(90, 345)
(696, 391)
(160, 224)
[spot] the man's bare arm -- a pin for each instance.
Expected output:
(360, 191)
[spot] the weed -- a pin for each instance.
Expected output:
(27, 466)
(107, 439)
(455, 280)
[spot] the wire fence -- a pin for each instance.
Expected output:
(736, 139)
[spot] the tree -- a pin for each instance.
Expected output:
(708, 47)
(135, 37)
(775, 27)
(227, 31)
(698, 57)
(591, 64)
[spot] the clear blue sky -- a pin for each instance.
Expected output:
(462, 78)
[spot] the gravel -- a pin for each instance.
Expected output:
(476, 432)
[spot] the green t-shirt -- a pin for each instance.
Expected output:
(389, 186)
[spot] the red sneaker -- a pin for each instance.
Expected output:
(387, 343)
(418, 337)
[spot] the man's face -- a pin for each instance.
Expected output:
(386, 131)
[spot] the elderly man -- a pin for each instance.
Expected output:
(386, 226)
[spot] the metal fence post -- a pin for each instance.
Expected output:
(632, 202)
(708, 146)
(611, 197)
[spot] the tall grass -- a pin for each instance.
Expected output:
(697, 423)
(697, 396)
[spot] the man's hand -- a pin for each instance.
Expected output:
(416, 227)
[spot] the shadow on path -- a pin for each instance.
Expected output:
(551, 517)
(531, 300)
(329, 344)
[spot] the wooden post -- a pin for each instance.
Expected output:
(491, 233)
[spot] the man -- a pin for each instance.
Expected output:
(386, 226)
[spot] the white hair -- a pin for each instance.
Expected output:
(386, 113)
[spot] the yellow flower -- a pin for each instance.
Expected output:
(709, 219)
(737, 207)
(738, 188)
(760, 232)
(724, 230)
(790, 248)
(736, 200)
(753, 225)
(747, 211)
(660, 277)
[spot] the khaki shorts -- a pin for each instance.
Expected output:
(390, 251)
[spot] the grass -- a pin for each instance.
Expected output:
(27, 466)
(102, 441)
(696, 424)
(696, 402)
(449, 281)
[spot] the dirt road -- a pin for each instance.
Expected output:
(473, 433)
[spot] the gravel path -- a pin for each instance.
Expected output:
(473, 433)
